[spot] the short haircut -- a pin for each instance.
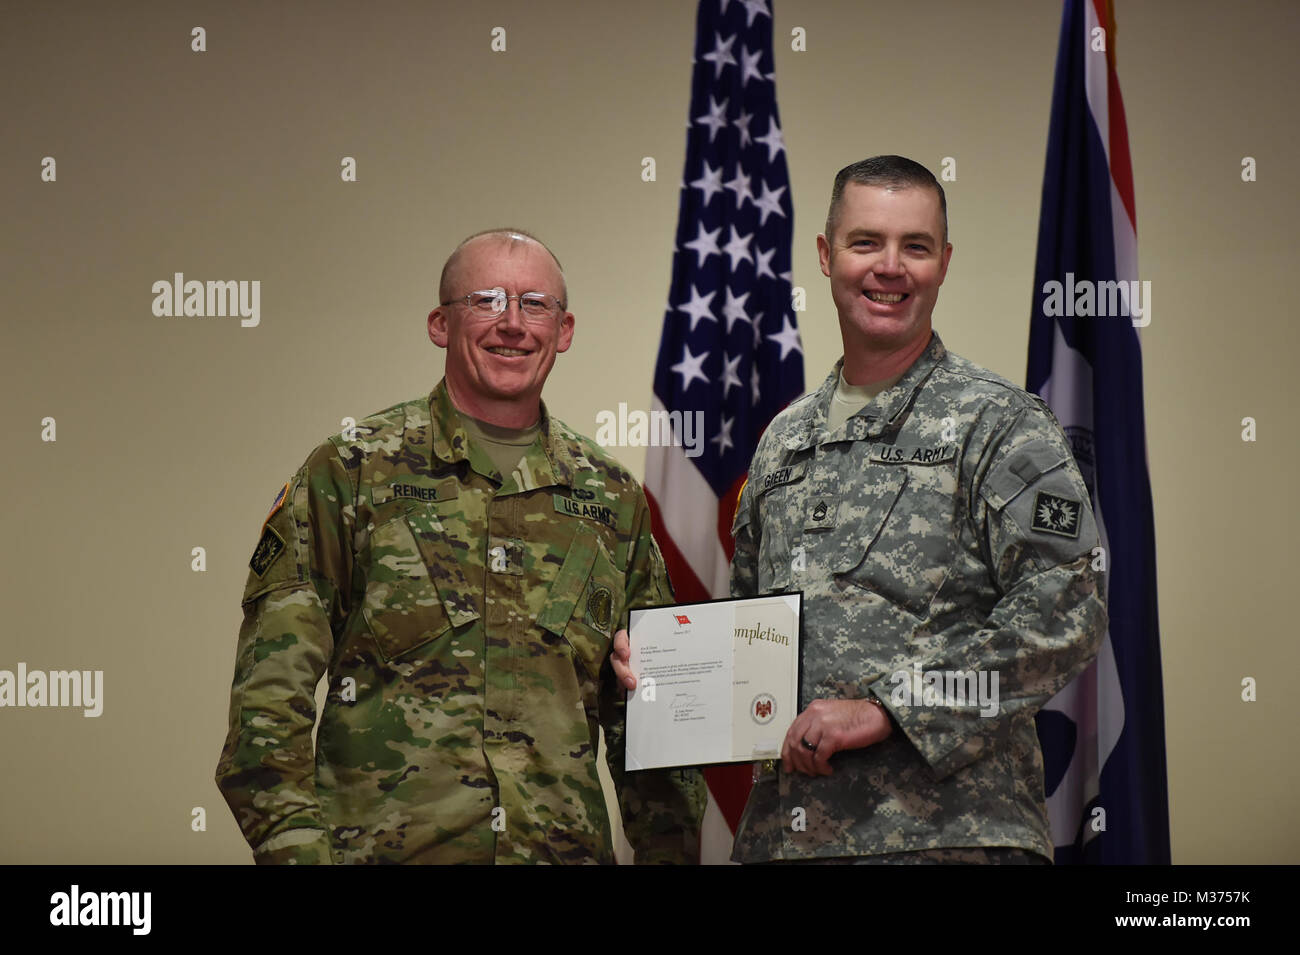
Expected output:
(512, 236)
(892, 172)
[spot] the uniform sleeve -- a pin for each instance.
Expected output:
(662, 808)
(295, 600)
(744, 529)
(1034, 523)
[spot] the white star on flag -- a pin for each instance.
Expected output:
(723, 439)
(721, 55)
(787, 338)
(769, 202)
(774, 140)
(698, 307)
(729, 376)
(709, 183)
(734, 309)
(742, 124)
(753, 8)
(738, 248)
(749, 65)
(741, 187)
(716, 119)
(691, 367)
(705, 244)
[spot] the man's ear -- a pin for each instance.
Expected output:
(438, 327)
(947, 257)
(824, 253)
(565, 338)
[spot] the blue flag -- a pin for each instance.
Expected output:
(1103, 736)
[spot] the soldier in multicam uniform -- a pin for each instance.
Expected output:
(457, 569)
(935, 520)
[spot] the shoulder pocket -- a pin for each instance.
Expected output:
(277, 557)
(415, 588)
(1019, 470)
(740, 519)
(1038, 492)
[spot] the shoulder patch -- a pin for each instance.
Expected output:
(269, 547)
(1054, 514)
(278, 503)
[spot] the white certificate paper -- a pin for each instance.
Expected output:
(717, 682)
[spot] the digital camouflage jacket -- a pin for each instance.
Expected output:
(943, 540)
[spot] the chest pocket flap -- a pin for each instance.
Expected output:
(585, 600)
(903, 534)
(416, 589)
(862, 518)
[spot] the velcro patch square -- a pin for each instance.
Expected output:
(269, 546)
(1056, 515)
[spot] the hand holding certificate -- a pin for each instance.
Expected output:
(717, 682)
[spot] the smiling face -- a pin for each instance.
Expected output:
(886, 261)
(496, 367)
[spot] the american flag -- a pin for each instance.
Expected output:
(730, 347)
(1103, 736)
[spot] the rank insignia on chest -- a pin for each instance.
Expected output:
(1056, 515)
(821, 513)
(269, 546)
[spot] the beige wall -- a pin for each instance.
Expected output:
(176, 433)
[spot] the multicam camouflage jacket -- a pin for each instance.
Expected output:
(465, 622)
(943, 539)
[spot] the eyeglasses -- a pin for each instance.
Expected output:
(490, 303)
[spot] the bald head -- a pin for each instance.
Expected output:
(509, 240)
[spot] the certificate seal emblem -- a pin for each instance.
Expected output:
(763, 709)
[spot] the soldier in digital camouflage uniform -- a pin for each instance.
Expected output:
(933, 516)
(457, 569)
(936, 522)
